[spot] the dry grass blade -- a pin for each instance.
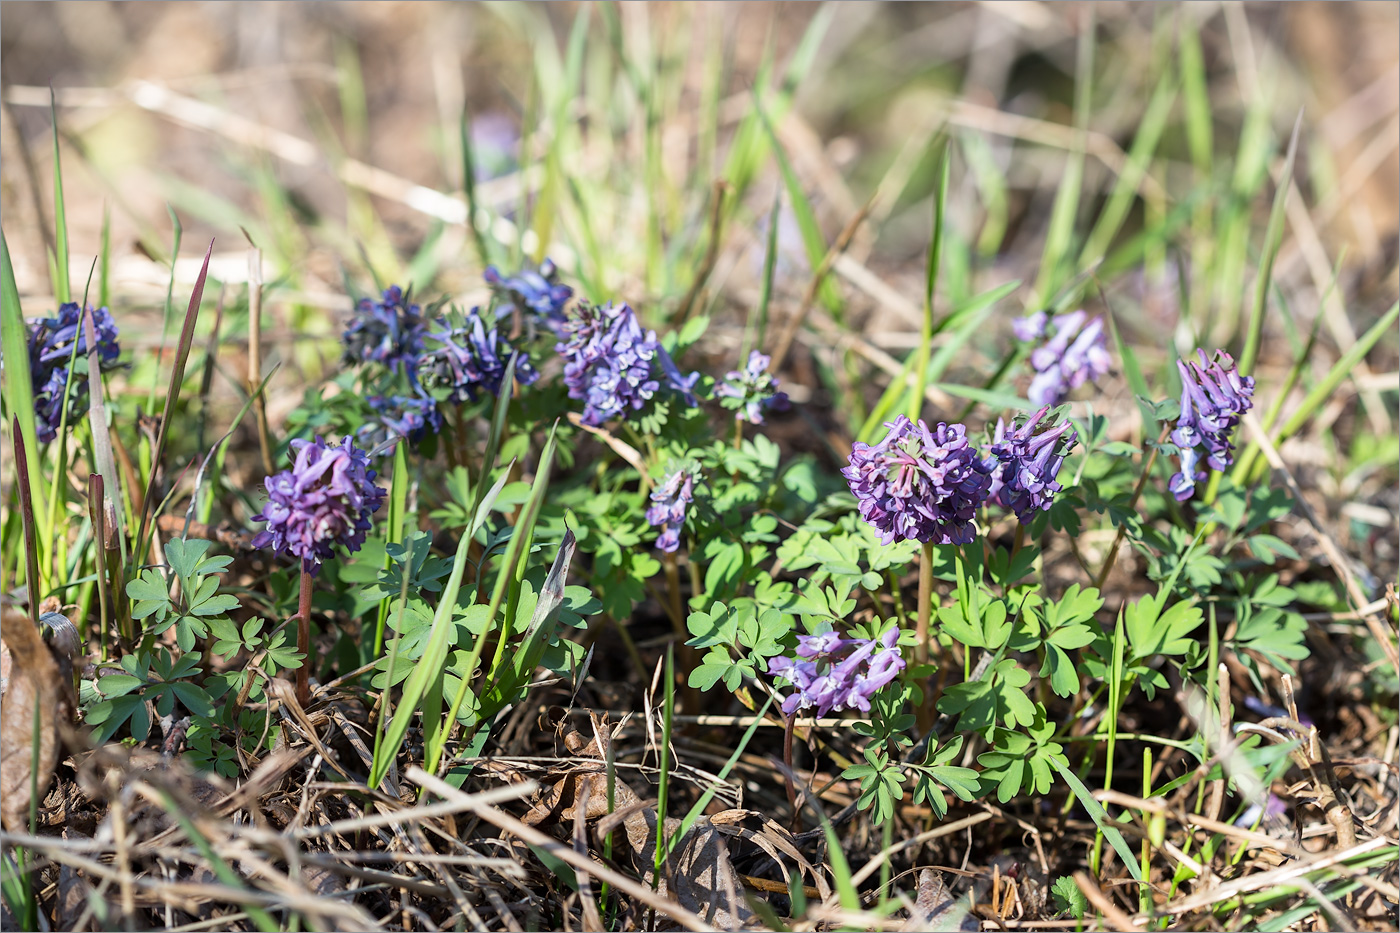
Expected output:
(564, 853)
(1341, 564)
(1258, 882)
(874, 864)
(1112, 913)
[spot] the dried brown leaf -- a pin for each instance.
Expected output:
(37, 689)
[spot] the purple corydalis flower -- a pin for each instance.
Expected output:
(534, 290)
(51, 344)
(470, 357)
(1214, 396)
(610, 363)
(325, 499)
(1076, 353)
(669, 502)
(1027, 463)
(388, 332)
(920, 484)
(400, 416)
(751, 390)
(837, 673)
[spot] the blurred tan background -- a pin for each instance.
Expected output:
(167, 102)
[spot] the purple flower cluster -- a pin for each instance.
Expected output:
(471, 357)
(533, 290)
(835, 673)
(389, 332)
(669, 503)
(1027, 463)
(1213, 398)
(400, 416)
(752, 390)
(325, 499)
(920, 484)
(610, 362)
(51, 342)
(1076, 353)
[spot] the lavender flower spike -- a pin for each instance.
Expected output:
(752, 390)
(1213, 398)
(670, 501)
(471, 357)
(1076, 353)
(835, 673)
(388, 332)
(325, 499)
(610, 363)
(50, 351)
(920, 484)
(1027, 463)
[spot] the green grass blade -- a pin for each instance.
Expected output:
(935, 255)
(179, 232)
(27, 514)
(1132, 371)
(428, 669)
(177, 378)
(18, 386)
(812, 240)
(61, 287)
(493, 434)
(104, 264)
(512, 570)
(103, 452)
(748, 148)
(1067, 198)
(1115, 212)
(699, 806)
(1195, 95)
(1273, 238)
(770, 262)
(518, 553)
(1321, 392)
(973, 309)
(476, 215)
(663, 784)
(1101, 819)
(840, 868)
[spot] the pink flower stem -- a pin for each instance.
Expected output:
(925, 604)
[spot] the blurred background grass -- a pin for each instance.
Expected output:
(1123, 155)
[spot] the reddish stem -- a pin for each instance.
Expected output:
(304, 639)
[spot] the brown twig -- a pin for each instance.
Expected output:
(794, 323)
(304, 639)
(1117, 919)
(707, 265)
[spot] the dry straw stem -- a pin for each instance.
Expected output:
(1249, 837)
(946, 829)
(1112, 913)
(564, 853)
(1334, 312)
(1341, 565)
(794, 323)
(1288, 874)
(196, 114)
(1329, 794)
